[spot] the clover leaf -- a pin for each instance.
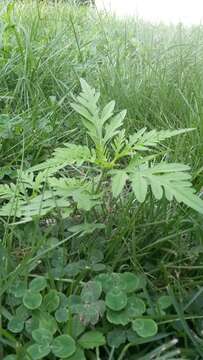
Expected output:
(118, 317)
(38, 351)
(109, 281)
(51, 301)
(116, 337)
(63, 346)
(91, 291)
(78, 355)
(92, 339)
(130, 282)
(47, 321)
(135, 306)
(145, 327)
(77, 327)
(42, 336)
(164, 302)
(18, 288)
(38, 284)
(62, 315)
(22, 312)
(32, 300)
(15, 325)
(116, 299)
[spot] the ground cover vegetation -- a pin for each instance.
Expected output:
(101, 128)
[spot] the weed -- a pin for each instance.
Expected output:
(90, 193)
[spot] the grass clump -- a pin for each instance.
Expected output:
(101, 223)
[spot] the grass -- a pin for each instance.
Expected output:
(153, 71)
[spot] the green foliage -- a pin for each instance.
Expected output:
(42, 336)
(104, 311)
(144, 327)
(63, 346)
(92, 339)
(92, 185)
(15, 325)
(116, 338)
(9, 128)
(164, 302)
(38, 284)
(51, 301)
(62, 315)
(90, 309)
(91, 292)
(71, 154)
(116, 299)
(32, 300)
(38, 351)
(104, 158)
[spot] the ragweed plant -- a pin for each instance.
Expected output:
(80, 176)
